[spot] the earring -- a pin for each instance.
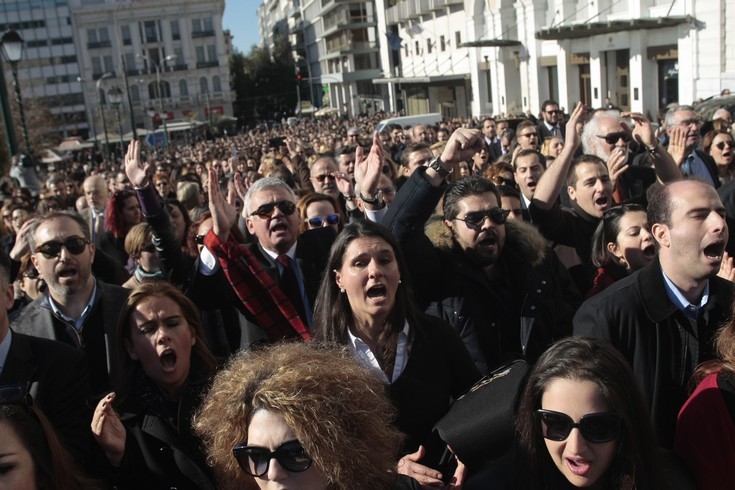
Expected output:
(399, 282)
(342, 290)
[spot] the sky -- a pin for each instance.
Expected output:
(241, 18)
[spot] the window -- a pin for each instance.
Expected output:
(442, 44)
(203, 85)
(175, 33)
(127, 39)
(135, 93)
(91, 36)
(149, 27)
(183, 88)
(428, 46)
(104, 35)
(179, 61)
(108, 63)
(200, 54)
(130, 64)
(96, 65)
(457, 39)
(211, 53)
(196, 25)
(417, 48)
(207, 24)
(216, 85)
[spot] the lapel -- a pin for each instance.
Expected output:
(656, 302)
(20, 366)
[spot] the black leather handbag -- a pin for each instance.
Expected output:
(480, 425)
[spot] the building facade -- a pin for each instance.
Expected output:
(474, 57)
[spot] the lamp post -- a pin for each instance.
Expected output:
(102, 112)
(164, 115)
(12, 45)
(115, 95)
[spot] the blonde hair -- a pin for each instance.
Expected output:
(337, 409)
(137, 238)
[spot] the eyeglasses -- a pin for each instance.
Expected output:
(31, 273)
(528, 135)
(595, 427)
(613, 138)
(74, 245)
(689, 122)
(503, 181)
(255, 460)
(266, 210)
(475, 219)
(556, 111)
(318, 221)
(721, 145)
(386, 169)
(324, 177)
(15, 395)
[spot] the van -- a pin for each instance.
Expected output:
(403, 121)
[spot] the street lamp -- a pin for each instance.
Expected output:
(115, 95)
(164, 115)
(102, 112)
(12, 45)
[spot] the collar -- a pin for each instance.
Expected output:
(4, 350)
(77, 322)
(291, 252)
(96, 213)
(676, 297)
(367, 358)
(549, 126)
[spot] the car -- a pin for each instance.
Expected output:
(707, 107)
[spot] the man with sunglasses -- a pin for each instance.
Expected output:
(682, 127)
(55, 375)
(490, 279)
(77, 309)
(550, 124)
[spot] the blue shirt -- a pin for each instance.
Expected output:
(674, 294)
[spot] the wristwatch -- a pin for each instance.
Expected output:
(376, 199)
(438, 165)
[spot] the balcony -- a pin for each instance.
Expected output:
(97, 76)
(99, 44)
(207, 64)
(180, 67)
(407, 9)
(199, 34)
(133, 72)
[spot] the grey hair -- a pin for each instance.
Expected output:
(669, 118)
(590, 141)
(264, 184)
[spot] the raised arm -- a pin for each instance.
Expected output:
(549, 186)
(667, 169)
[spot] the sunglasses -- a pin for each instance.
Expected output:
(613, 138)
(255, 460)
(318, 221)
(475, 219)
(595, 427)
(386, 169)
(74, 245)
(199, 239)
(266, 210)
(31, 273)
(528, 135)
(324, 177)
(553, 112)
(721, 145)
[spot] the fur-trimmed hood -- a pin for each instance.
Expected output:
(523, 240)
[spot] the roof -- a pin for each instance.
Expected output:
(582, 30)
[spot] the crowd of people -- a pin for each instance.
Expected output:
(298, 305)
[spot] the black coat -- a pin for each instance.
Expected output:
(637, 317)
(531, 306)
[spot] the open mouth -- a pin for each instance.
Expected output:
(601, 201)
(649, 251)
(377, 292)
(67, 272)
(488, 241)
(578, 467)
(279, 226)
(168, 359)
(714, 251)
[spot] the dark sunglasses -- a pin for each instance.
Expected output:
(324, 177)
(31, 273)
(318, 221)
(721, 145)
(255, 460)
(504, 181)
(595, 427)
(74, 245)
(266, 210)
(15, 395)
(557, 111)
(199, 239)
(613, 138)
(475, 219)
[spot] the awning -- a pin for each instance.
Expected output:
(577, 31)
(436, 79)
(490, 43)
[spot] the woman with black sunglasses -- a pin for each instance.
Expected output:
(299, 416)
(582, 423)
(720, 145)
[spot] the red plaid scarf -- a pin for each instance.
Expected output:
(260, 295)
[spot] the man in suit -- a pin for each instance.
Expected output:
(55, 375)
(528, 167)
(293, 262)
(490, 136)
(77, 309)
(550, 125)
(96, 194)
(682, 126)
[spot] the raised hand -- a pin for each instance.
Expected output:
(369, 169)
(108, 430)
(643, 131)
(678, 144)
(617, 163)
(572, 139)
(727, 269)
(462, 145)
(136, 170)
(224, 214)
